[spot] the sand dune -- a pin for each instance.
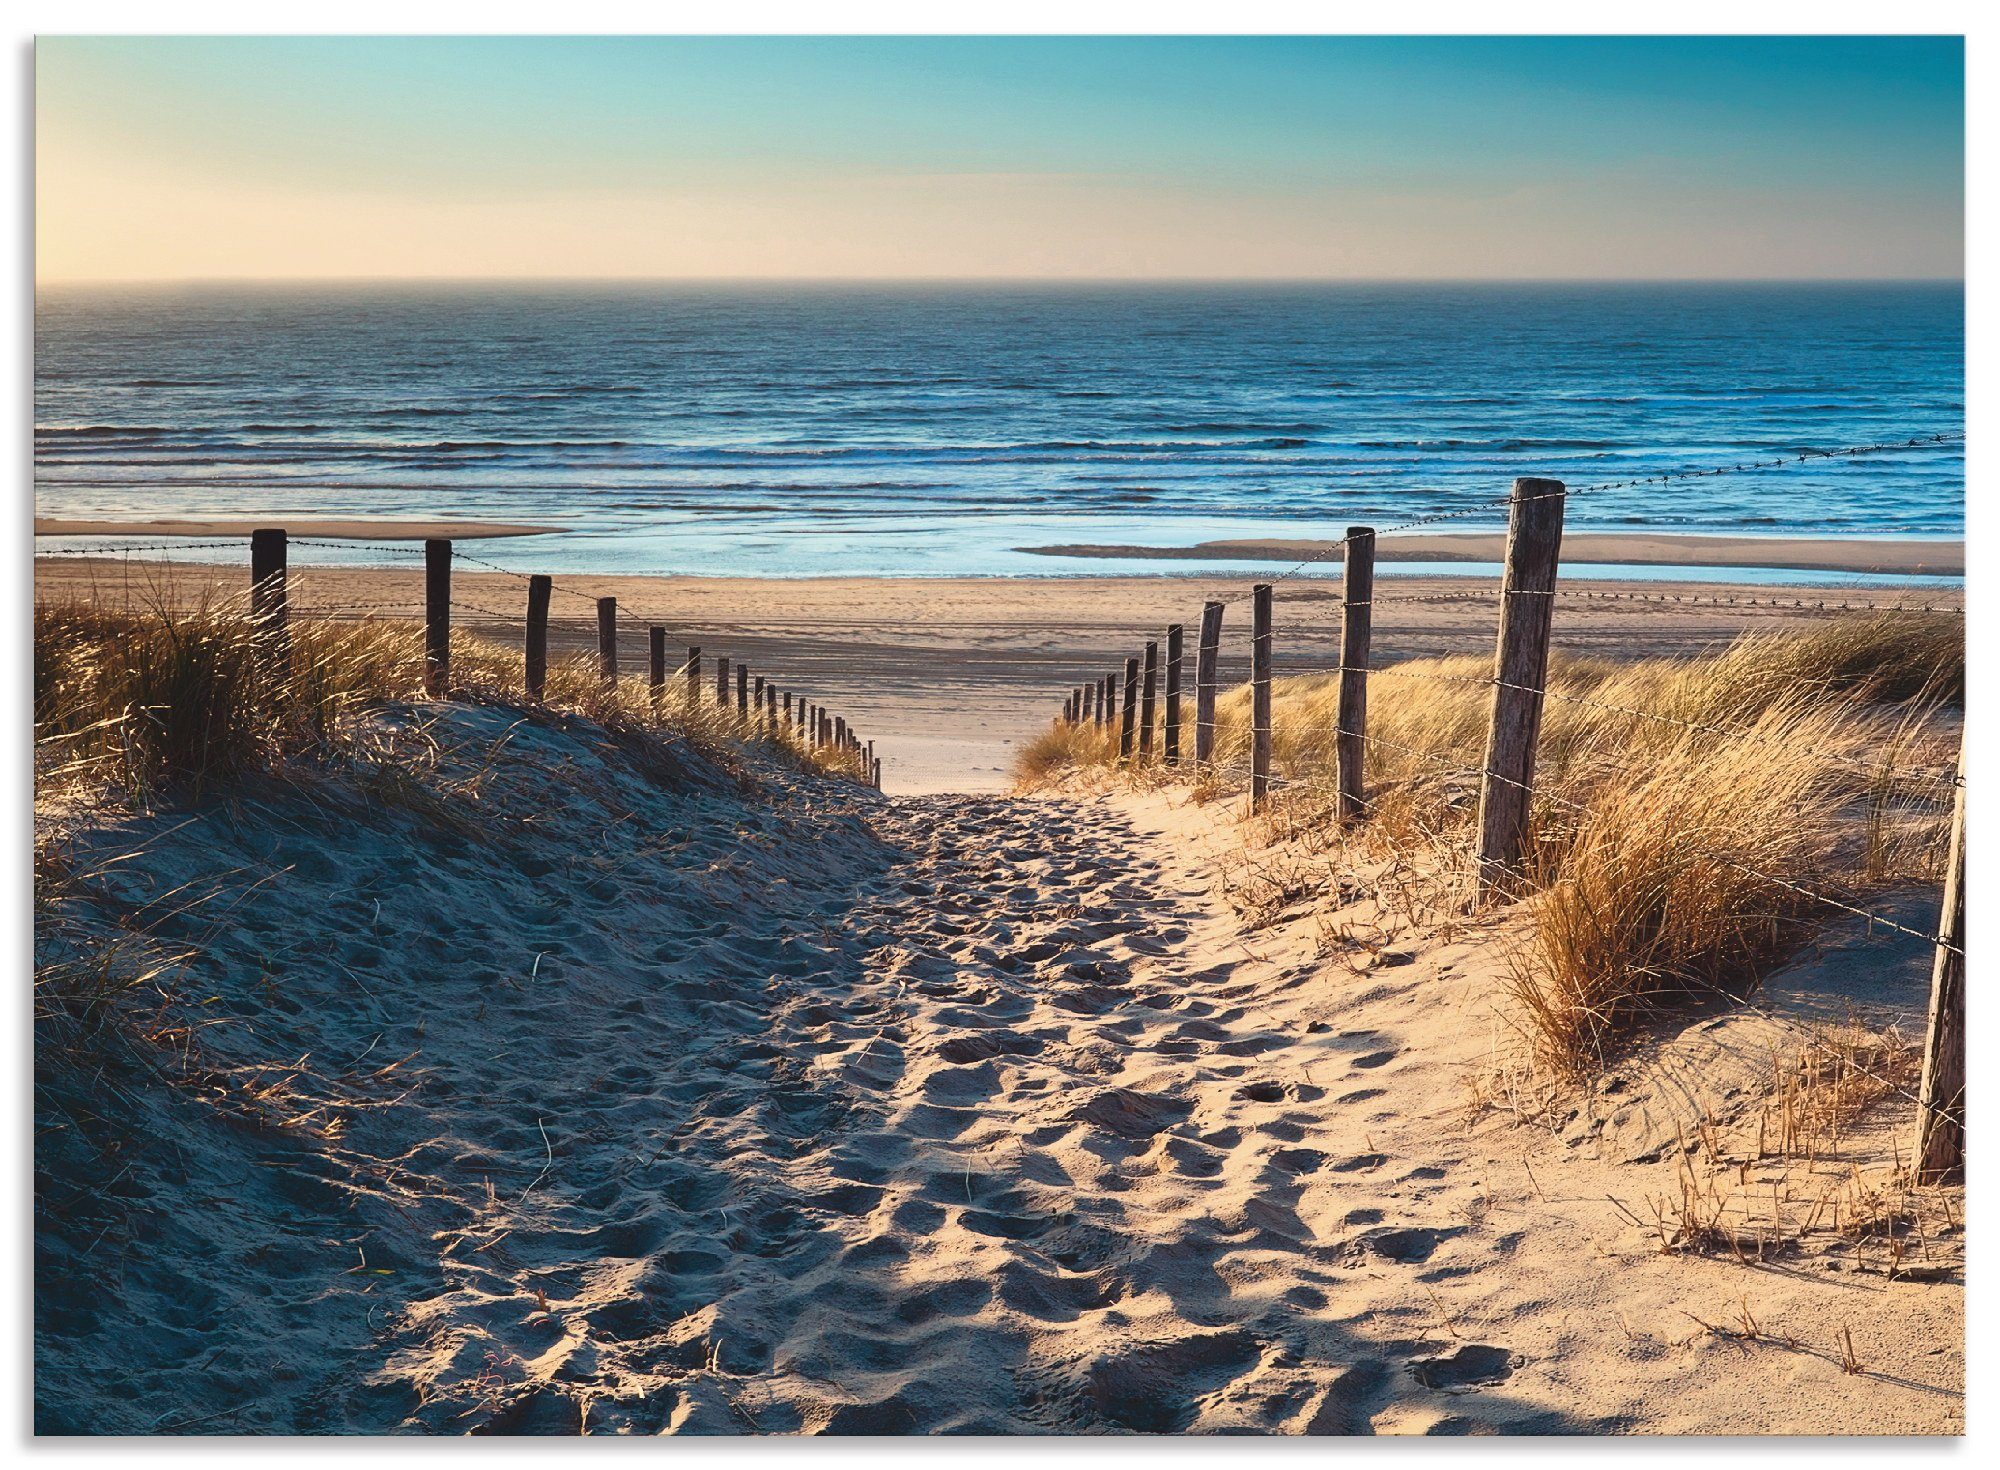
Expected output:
(574, 1090)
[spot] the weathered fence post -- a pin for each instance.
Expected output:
(270, 611)
(878, 773)
(1173, 728)
(1520, 668)
(1146, 701)
(742, 691)
(607, 641)
(722, 681)
(656, 668)
(1204, 682)
(535, 640)
(694, 678)
(1260, 693)
(1941, 1094)
(1356, 623)
(437, 616)
(1131, 711)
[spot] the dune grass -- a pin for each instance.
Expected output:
(1681, 804)
(172, 699)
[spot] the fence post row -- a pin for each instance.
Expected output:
(1146, 701)
(607, 641)
(1940, 1148)
(1131, 710)
(1356, 622)
(535, 637)
(1520, 669)
(1260, 694)
(270, 609)
(1204, 682)
(1173, 727)
(437, 615)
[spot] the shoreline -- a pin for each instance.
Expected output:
(347, 528)
(1938, 557)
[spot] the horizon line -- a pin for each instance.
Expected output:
(1001, 280)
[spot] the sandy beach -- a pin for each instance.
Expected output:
(949, 675)
(597, 1101)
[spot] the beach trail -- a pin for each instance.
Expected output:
(852, 1114)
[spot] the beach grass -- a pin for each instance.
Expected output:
(175, 698)
(1687, 810)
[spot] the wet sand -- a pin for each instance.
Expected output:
(949, 676)
(349, 530)
(1943, 557)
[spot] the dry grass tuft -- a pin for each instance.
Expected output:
(1678, 802)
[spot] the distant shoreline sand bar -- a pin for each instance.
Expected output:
(1937, 558)
(349, 530)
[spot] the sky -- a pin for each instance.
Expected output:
(185, 158)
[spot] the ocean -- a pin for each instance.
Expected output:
(806, 430)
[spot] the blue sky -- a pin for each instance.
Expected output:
(1255, 157)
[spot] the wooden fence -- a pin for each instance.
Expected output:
(1527, 596)
(761, 705)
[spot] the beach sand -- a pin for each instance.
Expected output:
(580, 1099)
(950, 675)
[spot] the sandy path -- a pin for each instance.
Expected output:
(949, 676)
(819, 1111)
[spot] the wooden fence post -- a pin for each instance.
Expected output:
(1146, 701)
(742, 691)
(1173, 728)
(270, 609)
(1940, 1149)
(535, 639)
(878, 773)
(1520, 668)
(722, 681)
(1131, 711)
(1260, 694)
(694, 678)
(656, 667)
(437, 616)
(1204, 682)
(607, 641)
(1357, 610)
